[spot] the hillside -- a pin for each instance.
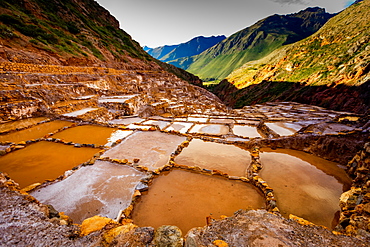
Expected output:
(330, 68)
(54, 52)
(255, 42)
(73, 33)
(193, 47)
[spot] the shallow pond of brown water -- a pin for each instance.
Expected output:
(305, 185)
(215, 156)
(43, 160)
(34, 132)
(185, 199)
(5, 127)
(86, 134)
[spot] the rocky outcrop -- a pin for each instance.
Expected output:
(260, 228)
(33, 224)
(355, 203)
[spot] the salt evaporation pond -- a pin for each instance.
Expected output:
(20, 124)
(185, 199)
(215, 156)
(210, 129)
(35, 132)
(43, 160)
(246, 131)
(161, 124)
(126, 121)
(101, 189)
(181, 127)
(86, 134)
(305, 185)
(80, 112)
(153, 148)
(283, 128)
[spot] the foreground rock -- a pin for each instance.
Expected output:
(29, 224)
(260, 228)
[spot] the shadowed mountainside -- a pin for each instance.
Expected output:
(342, 97)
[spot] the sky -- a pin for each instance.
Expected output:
(156, 23)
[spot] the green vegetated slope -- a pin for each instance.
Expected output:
(338, 53)
(73, 28)
(330, 68)
(256, 42)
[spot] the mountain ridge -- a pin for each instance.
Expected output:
(192, 47)
(254, 42)
(329, 68)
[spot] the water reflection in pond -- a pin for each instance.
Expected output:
(304, 185)
(43, 160)
(89, 134)
(185, 199)
(34, 132)
(210, 155)
(20, 124)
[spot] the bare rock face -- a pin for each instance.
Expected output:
(29, 217)
(355, 203)
(260, 228)
(168, 236)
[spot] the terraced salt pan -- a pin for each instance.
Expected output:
(246, 131)
(304, 185)
(80, 112)
(210, 129)
(101, 189)
(245, 121)
(336, 128)
(126, 121)
(34, 132)
(329, 128)
(181, 127)
(284, 128)
(215, 156)
(86, 134)
(153, 148)
(198, 119)
(20, 124)
(116, 99)
(161, 124)
(185, 199)
(138, 127)
(221, 120)
(43, 160)
(118, 135)
(86, 97)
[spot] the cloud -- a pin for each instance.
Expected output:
(289, 1)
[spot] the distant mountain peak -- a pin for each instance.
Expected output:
(190, 48)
